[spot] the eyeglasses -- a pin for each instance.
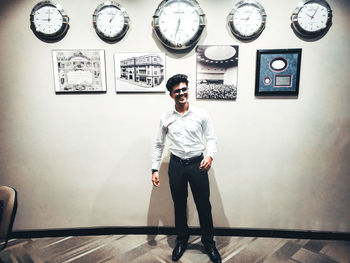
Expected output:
(177, 91)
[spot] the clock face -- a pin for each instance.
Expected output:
(178, 23)
(247, 19)
(312, 18)
(111, 21)
(48, 21)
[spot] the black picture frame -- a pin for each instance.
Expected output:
(277, 72)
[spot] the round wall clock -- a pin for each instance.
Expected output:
(48, 21)
(110, 21)
(312, 18)
(178, 24)
(247, 19)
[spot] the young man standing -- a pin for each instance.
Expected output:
(186, 126)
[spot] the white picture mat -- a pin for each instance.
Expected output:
(79, 71)
(128, 83)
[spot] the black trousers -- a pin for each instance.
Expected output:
(180, 174)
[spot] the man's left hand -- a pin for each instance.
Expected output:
(206, 163)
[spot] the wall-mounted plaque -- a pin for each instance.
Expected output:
(277, 72)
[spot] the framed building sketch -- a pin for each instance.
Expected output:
(277, 72)
(217, 67)
(79, 71)
(139, 72)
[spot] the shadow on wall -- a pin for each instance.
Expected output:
(161, 208)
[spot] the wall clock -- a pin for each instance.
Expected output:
(247, 19)
(111, 21)
(49, 21)
(178, 24)
(312, 18)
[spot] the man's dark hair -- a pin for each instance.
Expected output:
(175, 80)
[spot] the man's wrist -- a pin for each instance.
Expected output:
(211, 154)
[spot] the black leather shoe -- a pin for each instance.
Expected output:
(179, 250)
(213, 253)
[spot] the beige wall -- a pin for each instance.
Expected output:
(84, 160)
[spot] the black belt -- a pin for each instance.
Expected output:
(187, 161)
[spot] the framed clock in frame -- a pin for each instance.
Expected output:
(277, 72)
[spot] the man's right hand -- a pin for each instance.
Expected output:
(155, 179)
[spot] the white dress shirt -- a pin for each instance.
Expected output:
(186, 133)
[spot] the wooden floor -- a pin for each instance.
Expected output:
(152, 249)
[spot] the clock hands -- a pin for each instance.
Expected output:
(246, 18)
(178, 25)
(315, 12)
(250, 13)
(113, 16)
(49, 19)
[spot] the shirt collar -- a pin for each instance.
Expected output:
(187, 112)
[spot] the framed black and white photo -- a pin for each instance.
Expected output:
(139, 72)
(217, 67)
(79, 71)
(277, 72)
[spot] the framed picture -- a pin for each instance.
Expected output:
(79, 71)
(277, 72)
(217, 67)
(139, 72)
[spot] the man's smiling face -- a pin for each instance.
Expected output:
(180, 94)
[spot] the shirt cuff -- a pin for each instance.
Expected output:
(211, 154)
(155, 166)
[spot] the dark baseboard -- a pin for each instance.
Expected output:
(242, 232)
